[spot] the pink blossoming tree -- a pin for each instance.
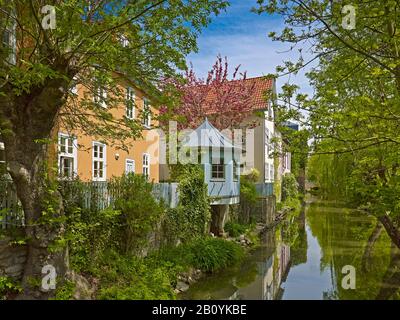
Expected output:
(225, 101)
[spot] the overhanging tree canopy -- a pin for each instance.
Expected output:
(94, 43)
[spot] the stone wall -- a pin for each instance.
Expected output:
(12, 259)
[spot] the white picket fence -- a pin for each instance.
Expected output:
(11, 213)
(99, 194)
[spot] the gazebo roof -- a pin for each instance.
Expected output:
(206, 135)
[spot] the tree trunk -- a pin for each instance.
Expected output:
(391, 229)
(43, 211)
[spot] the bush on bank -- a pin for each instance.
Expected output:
(105, 244)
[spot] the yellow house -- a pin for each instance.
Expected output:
(92, 159)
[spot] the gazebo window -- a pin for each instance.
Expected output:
(217, 165)
(218, 171)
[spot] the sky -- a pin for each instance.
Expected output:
(242, 36)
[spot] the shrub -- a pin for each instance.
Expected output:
(193, 213)
(248, 191)
(208, 254)
(235, 229)
(124, 227)
(140, 212)
(248, 196)
(8, 286)
(131, 278)
(89, 234)
(211, 254)
(66, 291)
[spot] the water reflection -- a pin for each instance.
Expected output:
(303, 258)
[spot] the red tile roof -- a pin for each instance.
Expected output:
(261, 86)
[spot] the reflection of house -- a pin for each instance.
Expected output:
(277, 271)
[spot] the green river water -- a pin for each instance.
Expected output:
(303, 258)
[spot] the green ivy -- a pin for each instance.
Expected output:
(289, 187)
(66, 291)
(193, 213)
(8, 286)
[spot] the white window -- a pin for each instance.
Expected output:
(270, 113)
(266, 172)
(9, 41)
(146, 113)
(100, 95)
(2, 157)
(146, 165)
(99, 161)
(67, 156)
(129, 166)
(271, 172)
(130, 103)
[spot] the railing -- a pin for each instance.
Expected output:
(224, 192)
(11, 213)
(89, 195)
(102, 194)
(265, 189)
(168, 192)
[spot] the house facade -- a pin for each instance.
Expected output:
(264, 147)
(263, 143)
(89, 157)
(260, 130)
(92, 159)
